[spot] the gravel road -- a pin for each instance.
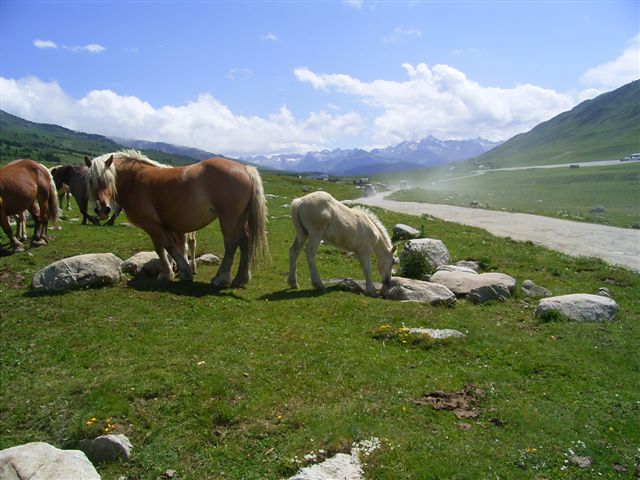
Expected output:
(617, 246)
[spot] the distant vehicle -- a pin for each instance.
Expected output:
(574, 165)
(631, 158)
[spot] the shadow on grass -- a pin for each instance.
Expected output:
(187, 289)
(289, 294)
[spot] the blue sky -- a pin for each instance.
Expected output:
(244, 78)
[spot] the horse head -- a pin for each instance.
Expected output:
(385, 258)
(101, 185)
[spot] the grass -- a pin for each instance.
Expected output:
(237, 384)
(563, 192)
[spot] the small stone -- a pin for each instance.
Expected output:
(604, 292)
(169, 474)
(487, 293)
(582, 462)
(208, 259)
(532, 290)
(437, 334)
(107, 448)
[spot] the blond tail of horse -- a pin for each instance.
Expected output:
(257, 218)
(54, 209)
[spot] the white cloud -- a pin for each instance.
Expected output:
(239, 73)
(44, 44)
(443, 102)
(270, 36)
(204, 123)
(357, 4)
(90, 48)
(400, 34)
(618, 72)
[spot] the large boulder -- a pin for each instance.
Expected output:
(81, 271)
(580, 307)
(433, 251)
(107, 448)
(142, 263)
(485, 293)
(41, 461)
(406, 289)
(461, 282)
(404, 232)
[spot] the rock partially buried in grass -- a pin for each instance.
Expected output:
(142, 263)
(434, 252)
(532, 290)
(107, 448)
(207, 259)
(89, 270)
(42, 461)
(404, 232)
(351, 285)
(462, 282)
(406, 289)
(486, 293)
(437, 334)
(579, 307)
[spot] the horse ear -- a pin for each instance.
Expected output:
(87, 161)
(109, 162)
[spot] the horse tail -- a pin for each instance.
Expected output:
(257, 218)
(52, 202)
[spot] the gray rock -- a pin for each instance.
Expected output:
(89, 270)
(461, 283)
(598, 209)
(270, 196)
(41, 461)
(437, 334)
(472, 264)
(434, 251)
(486, 293)
(406, 289)
(404, 232)
(208, 259)
(142, 263)
(604, 292)
(532, 290)
(341, 466)
(457, 268)
(351, 285)
(107, 448)
(580, 307)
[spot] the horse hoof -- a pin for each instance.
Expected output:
(217, 283)
(38, 243)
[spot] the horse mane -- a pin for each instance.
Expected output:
(100, 175)
(376, 221)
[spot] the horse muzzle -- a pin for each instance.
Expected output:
(103, 211)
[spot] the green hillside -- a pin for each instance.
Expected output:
(54, 144)
(604, 128)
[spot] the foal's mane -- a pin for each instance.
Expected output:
(376, 221)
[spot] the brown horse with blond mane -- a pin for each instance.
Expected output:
(168, 203)
(27, 185)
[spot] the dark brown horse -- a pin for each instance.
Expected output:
(168, 203)
(27, 185)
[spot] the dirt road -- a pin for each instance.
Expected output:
(617, 246)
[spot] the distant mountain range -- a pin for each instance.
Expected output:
(428, 152)
(604, 128)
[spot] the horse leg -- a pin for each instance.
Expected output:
(191, 247)
(231, 241)
(21, 226)
(365, 262)
(6, 227)
(177, 251)
(38, 212)
(294, 252)
(310, 251)
(244, 274)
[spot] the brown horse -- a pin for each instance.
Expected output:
(168, 203)
(27, 185)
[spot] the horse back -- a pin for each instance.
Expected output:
(19, 184)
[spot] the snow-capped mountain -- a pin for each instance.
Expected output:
(404, 156)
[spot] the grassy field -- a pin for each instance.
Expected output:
(238, 384)
(560, 192)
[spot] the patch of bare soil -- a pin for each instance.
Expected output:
(463, 403)
(11, 279)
